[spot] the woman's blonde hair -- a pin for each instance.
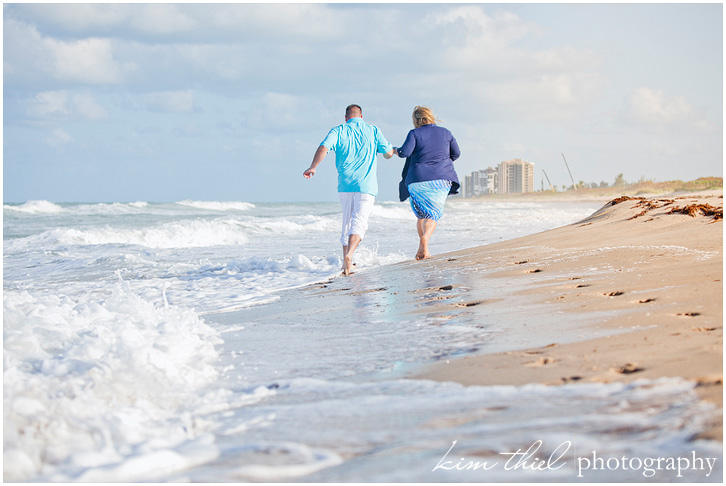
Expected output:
(423, 116)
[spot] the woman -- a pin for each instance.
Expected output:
(429, 175)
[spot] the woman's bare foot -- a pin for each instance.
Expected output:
(425, 228)
(423, 251)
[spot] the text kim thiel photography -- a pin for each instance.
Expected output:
(563, 457)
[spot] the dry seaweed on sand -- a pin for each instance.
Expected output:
(694, 210)
(620, 199)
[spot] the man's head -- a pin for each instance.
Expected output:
(353, 111)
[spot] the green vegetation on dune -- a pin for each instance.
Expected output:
(642, 187)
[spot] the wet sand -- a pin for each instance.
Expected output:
(632, 292)
(640, 282)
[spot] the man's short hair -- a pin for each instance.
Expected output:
(352, 110)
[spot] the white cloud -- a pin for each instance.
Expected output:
(86, 106)
(85, 60)
(82, 18)
(162, 19)
(652, 107)
(25, 58)
(74, 17)
(296, 20)
(225, 21)
(282, 112)
(470, 37)
(544, 97)
(61, 104)
(49, 104)
(58, 137)
(171, 101)
(482, 54)
(31, 56)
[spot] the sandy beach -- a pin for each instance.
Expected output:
(646, 272)
(602, 337)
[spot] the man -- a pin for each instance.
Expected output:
(355, 144)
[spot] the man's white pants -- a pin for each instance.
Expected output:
(357, 207)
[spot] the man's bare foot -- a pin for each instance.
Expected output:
(347, 265)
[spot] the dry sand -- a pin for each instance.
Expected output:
(639, 266)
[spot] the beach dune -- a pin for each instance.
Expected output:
(645, 273)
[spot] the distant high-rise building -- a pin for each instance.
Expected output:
(491, 177)
(510, 176)
(515, 176)
(480, 182)
(468, 187)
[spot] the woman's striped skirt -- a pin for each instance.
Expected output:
(428, 198)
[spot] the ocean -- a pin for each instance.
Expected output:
(175, 342)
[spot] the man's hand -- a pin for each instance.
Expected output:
(320, 154)
(390, 153)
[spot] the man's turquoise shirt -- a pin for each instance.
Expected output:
(356, 144)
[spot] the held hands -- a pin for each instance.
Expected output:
(390, 153)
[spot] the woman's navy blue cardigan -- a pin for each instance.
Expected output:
(430, 152)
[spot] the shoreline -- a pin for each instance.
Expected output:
(583, 195)
(635, 267)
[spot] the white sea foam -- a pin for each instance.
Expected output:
(218, 205)
(295, 225)
(87, 381)
(177, 234)
(245, 282)
(301, 460)
(393, 211)
(109, 208)
(35, 207)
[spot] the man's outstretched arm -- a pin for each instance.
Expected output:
(317, 158)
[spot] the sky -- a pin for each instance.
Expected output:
(228, 102)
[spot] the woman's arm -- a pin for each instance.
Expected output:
(406, 149)
(454, 151)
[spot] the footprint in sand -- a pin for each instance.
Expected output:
(615, 294)
(627, 368)
(361, 292)
(541, 361)
(443, 288)
(469, 304)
